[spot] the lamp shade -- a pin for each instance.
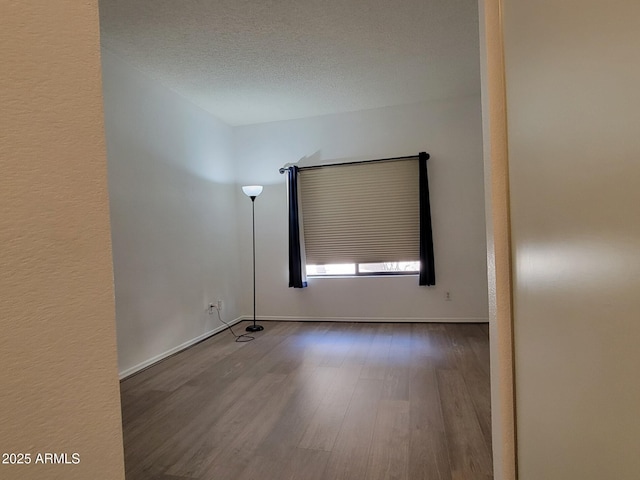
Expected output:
(252, 190)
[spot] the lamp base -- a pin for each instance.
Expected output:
(254, 328)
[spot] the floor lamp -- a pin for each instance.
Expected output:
(252, 191)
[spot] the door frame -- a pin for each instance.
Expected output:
(499, 260)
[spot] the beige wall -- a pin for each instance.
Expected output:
(58, 378)
(572, 76)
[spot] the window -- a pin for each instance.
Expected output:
(351, 269)
(361, 219)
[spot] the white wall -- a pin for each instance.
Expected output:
(182, 227)
(450, 130)
(173, 214)
(572, 75)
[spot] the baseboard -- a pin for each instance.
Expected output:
(373, 319)
(147, 363)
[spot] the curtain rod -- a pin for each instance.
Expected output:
(311, 167)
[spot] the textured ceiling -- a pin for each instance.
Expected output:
(253, 61)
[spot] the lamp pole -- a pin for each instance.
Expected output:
(252, 192)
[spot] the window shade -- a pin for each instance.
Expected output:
(361, 213)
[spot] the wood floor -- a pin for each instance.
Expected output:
(316, 401)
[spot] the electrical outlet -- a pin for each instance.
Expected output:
(447, 296)
(211, 308)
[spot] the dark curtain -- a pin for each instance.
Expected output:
(427, 264)
(296, 275)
